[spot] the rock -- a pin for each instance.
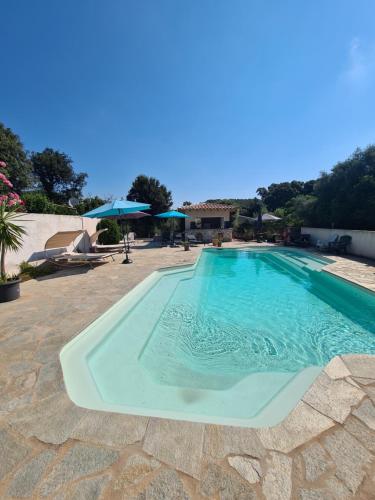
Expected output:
(51, 420)
(166, 486)
(224, 484)
(361, 365)
(220, 441)
(333, 398)
(79, 461)
(350, 458)
(89, 489)
(301, 425)
(249, 468)
(11, 452)
(366, 413)
(136, 469)
(176, 443)
(316, 461)
(361, 432)
(336, 369)
(110, 429)
(277, 483)
(27, 478)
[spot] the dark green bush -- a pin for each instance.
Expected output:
(37, 203)
(113, 234)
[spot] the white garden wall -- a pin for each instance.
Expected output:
(363, 242)
(40, 227)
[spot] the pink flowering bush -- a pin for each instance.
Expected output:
(11, 233)
(7, 197)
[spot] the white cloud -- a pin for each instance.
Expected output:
(360, 68)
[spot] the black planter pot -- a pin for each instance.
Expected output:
(10, 290)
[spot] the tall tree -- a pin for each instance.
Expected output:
(149, 190)
(55, 173)
(13, 153)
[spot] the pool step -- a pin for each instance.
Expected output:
(284, 263)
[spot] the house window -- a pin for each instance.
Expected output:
(211, 222)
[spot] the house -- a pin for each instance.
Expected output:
(208, 220)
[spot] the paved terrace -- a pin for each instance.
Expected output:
(49, 448)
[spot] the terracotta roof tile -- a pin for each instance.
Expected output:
(207, 206)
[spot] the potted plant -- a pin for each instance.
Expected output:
(11, 235)
(186, 245)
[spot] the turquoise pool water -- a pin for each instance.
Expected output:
(236, 339)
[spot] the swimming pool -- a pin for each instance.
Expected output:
(235, 339)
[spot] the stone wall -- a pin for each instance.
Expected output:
(363, 242)
(39, 228)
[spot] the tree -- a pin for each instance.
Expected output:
(13, 153)
(278, 195)
(55, 173)
(149, 190)
(89, 203)
(186, 203)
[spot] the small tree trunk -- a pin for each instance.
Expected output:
(2, 262)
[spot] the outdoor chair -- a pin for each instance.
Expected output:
(64, 239)
(341, 245)
(325, 245)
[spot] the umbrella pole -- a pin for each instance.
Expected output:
(126, 260)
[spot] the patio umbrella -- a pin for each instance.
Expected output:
(172, 214)
(117, 207)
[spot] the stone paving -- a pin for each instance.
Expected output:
(50, 448)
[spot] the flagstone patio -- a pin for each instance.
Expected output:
(50, 448)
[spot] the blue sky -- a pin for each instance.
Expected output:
(213, 97)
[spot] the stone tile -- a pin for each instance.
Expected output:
(166, 486)
(361, 365)
(366, 413)
(29, 475)
(349, 456)
(333, 398)
(248, 468)
(50, 380)
(364, 381)
(301, 425)
(224, 485)
(277, 483)
(338, 489)
(336, 369)
(370, 391)
(220, 441)
(89, 489)
(316, 494)
(79, 461)
(51, 420)
(137, 467)
(110, 429)
(361, 432)
(316, 460)
(176, 443)
(11, 452)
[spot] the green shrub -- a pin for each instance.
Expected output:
(27, 270)
(37, 203)
(110, 237)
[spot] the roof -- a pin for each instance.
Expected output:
(207, 206)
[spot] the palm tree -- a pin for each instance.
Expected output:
(11, 234)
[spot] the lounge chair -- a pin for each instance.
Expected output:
(192, 239)
(64, 239)
(325, 245)
(96, 247)
(341, 245)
